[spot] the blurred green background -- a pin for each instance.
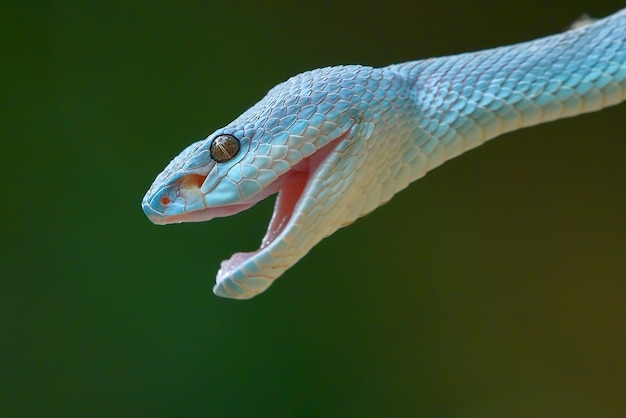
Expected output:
(493, 287)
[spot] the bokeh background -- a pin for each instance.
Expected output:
(493, 287)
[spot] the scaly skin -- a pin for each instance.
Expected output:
(338, 142)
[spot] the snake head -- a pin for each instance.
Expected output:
(288, 144)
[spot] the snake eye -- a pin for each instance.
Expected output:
(224, 148)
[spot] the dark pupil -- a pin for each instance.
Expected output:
(224, 148)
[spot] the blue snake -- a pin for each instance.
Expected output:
(337, 142)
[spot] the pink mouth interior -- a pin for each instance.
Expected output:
(286, 201)
(292, 185)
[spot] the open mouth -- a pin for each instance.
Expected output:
(290, 188)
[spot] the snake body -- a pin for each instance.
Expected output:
(335, 143)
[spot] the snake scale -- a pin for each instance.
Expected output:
(337, 142)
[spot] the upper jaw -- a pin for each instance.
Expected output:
(200, 215)
(191, 205)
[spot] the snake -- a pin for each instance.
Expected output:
(337, 142)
